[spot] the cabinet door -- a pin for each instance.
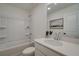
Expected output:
(38, 53)
(46, 51)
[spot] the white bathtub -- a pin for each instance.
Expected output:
(15, 50)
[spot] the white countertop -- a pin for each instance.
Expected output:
(67, 48)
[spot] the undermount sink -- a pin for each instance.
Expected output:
(54, 42)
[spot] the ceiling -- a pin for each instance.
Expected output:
(26, 6)
(54, 7)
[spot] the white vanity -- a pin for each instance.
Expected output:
(51, 47)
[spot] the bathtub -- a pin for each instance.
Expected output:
(15, 50)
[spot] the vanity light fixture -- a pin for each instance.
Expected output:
(48, 8)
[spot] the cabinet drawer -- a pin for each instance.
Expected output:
(38, 53)
(46, 51)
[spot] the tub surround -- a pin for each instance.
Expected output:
(67, 48)
(14, 50)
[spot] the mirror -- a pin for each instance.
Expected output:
(63, 17)
(56, 23)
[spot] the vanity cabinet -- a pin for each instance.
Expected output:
(38, 52)
(41, 50)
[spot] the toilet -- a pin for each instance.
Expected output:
(30, 51)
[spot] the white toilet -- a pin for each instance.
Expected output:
(30, 51)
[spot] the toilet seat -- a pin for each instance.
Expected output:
(28, 51)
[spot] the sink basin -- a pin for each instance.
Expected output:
(54, 42)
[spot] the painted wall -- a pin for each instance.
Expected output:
(71, 20)
(15, 20)
(39, 21)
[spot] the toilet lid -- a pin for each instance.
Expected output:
(28, 50)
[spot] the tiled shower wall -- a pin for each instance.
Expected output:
(13, 22)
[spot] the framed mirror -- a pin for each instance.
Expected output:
(56, 23)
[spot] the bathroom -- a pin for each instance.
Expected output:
(39, 29)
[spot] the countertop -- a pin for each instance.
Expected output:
(67, 48)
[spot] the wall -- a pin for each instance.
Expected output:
(70, 15)
(39, 21)
(15, 20)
